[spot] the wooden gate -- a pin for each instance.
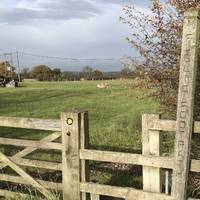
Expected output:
(76, 184)
(16, 161)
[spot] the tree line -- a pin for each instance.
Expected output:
(45, 73)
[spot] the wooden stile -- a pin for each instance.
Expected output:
(150, 146)
(187, 81)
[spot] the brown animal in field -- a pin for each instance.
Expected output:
(103, 85)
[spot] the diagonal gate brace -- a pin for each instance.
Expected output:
(26, 177)
(29, 150)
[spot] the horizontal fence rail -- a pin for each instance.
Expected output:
(31, 143)
(55, 124)
(134, 159)
(123, 192)
(31, 123)
(37, 163)
(127, 158)
(19, 180)
(169, 125)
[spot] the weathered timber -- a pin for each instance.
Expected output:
(29, 150)
(31, 123)
(71, 123)
(26, 176)
(187, 81)
(20, 180)
(84, 144)
(127, 158)
(134, 159)
(167, 182)
(94, 196)
(31, 143)
(169, 125)
(37, 163)
(122, 192)
(195, 166)
(150, 147)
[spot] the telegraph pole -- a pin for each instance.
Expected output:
(5, 63)
(18, 66)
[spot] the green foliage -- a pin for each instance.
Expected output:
(87, 73)
(157, 36)
(44, 73)
(41, 73)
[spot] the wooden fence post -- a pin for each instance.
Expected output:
(150, 146)
(71, 124)
(188, 69)
(84, 144)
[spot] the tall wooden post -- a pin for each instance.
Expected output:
(71, 124)
(150, 146)
(188, 68)
(84, 144)
(18, 66)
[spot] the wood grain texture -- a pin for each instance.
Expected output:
(169, 125)
(26, 176)
(122, 192)
(20, 180)
(187, 82)
(127, 158)
(31, 143)
(31, 123)
(84, 144)
(94, 197)
(37, 163)
(150, 147)
(71, 123)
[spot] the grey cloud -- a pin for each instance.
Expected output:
(75, 5)
(122, 2)
(52, 10)
(142, 3)
(58, 10)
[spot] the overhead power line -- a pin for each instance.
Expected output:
(74, 59)
(68, 58)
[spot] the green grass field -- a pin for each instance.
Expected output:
(114, 113)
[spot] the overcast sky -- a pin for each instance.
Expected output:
(66, 28)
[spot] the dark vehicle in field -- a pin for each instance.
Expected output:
(8, 82)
